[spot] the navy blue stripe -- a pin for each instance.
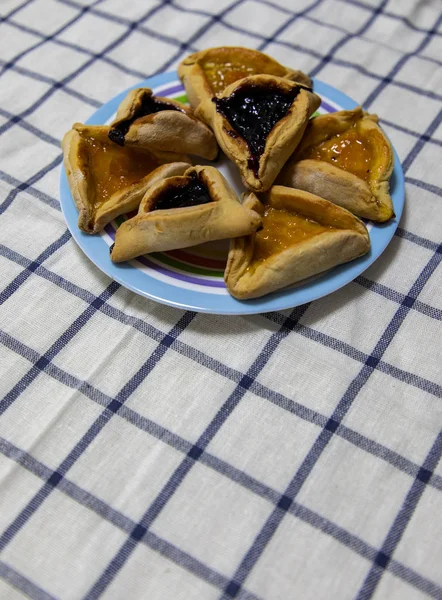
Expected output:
(335, 60)
(99, 397)
(386, 454)
(257, 388)
(421, 142)
(327, 58)
(363, 549)
(128, 23)
(417, 239)
(219, 18)
(202, 359)
(398, 298)
(203, 29)
(45, 39)
(103, 418)
(79, 49)
(195, 452)
(429, 187)
(115, 517)
(363, 70)
(22, 583)
(399, 462)
(45, 79)
(80, 70)
(286, 10)
(401, 62)
(28, 183)
(358, 68)
(287, 23)
(15, 10)
(319, 55)
(12, 287)
(388, 13)
(385, 13)
(56, 347)
(45, 137)
(340, 346)
(410, 132)
(401, 521)
(273, 522)
(275, 518)
(121, 521)
(45, 198)
(186, 465)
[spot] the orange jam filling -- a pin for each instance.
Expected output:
(349, 151)
(282, 229)
(220, 75)
(114, 167)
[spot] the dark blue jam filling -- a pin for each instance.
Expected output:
(191, 193)
(253, 111)
(148, 106)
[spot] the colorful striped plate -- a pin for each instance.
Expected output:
(192, 279)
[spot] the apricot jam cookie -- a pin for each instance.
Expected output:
(105, 179)
(346, 158)
(301, 235)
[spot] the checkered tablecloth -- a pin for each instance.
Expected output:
(152, 453)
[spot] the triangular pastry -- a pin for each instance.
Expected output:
(301, 235)
(258, 122)
(184, 211)
(346, 158)
(107, 180)
(154, 123)
(207, 73)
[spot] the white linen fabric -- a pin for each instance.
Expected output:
(149, 452)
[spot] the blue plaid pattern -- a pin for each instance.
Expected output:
(152, 452)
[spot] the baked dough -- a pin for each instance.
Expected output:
(107, 180)
(302, 235)
(258, 122)
(346, 158)
(154, 123)
(207, 73)
(179, 212)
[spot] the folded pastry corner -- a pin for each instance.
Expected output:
(346, 158)
(207, 73)
(258, 122)
(196, 207)
(302, 235)
(154, 123)
(107, 180)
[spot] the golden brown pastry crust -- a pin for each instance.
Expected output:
(93, 216)
(282, 139)
(367, 199)
(193, 74)
(168, 229)
(176, 131)
(347, 240)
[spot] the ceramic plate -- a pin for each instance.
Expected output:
(193, 278)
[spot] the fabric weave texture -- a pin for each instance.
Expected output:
(153, 453)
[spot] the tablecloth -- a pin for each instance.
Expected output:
(154, 453)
